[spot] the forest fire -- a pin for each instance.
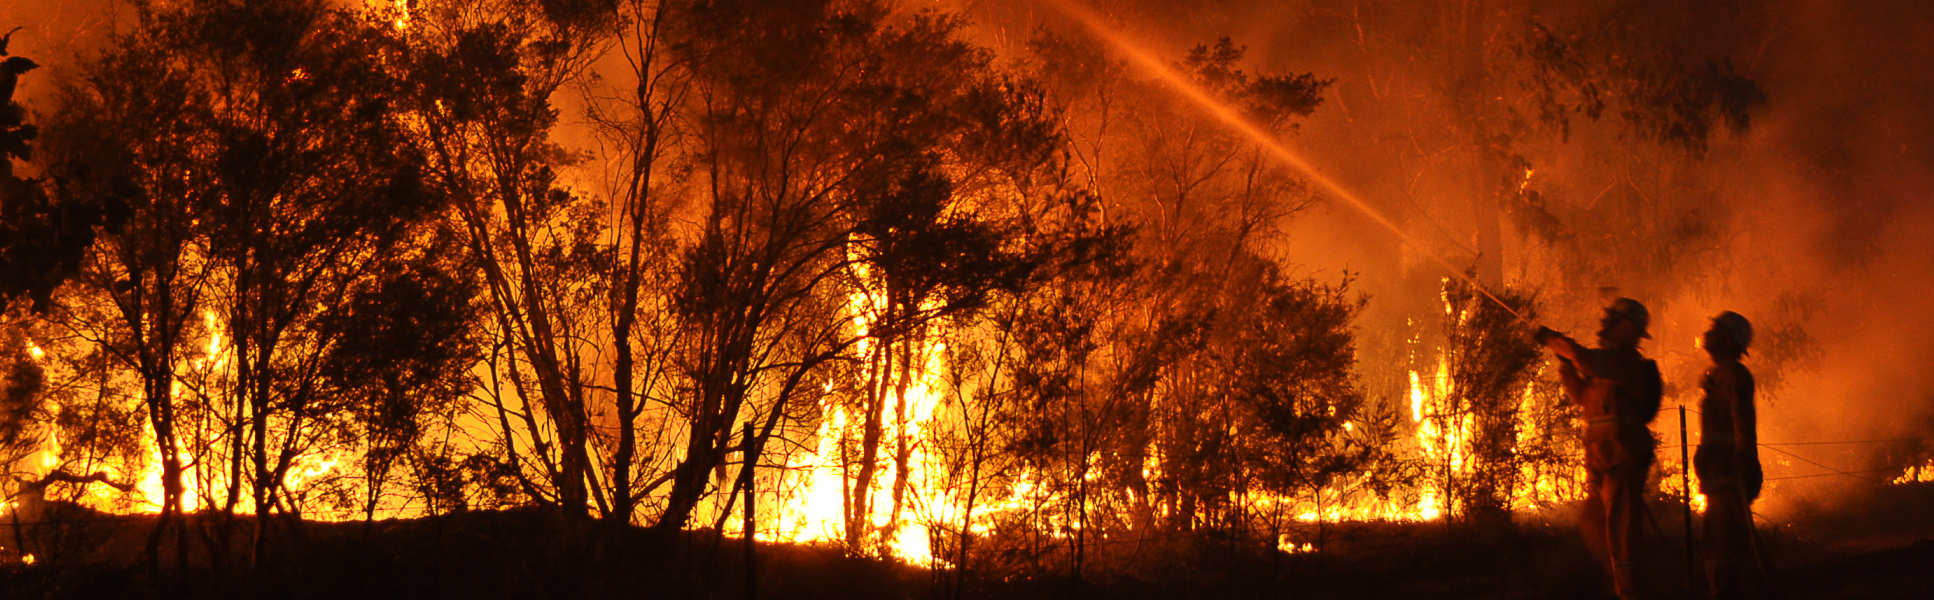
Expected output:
(1916, 474)
(570, 297)
(814, 508)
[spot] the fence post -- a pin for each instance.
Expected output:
(751, 455)
(1685, 501)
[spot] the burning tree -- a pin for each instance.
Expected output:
(854, 199)
(138, 295)
(268, 188)
(1192, 386)
(1492, 366)
(481, 78)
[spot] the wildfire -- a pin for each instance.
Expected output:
(401, 11)
(813, 490)
(1923, 473)
(201, 478)
(1287, 546)
(814, 497)
(815, 506)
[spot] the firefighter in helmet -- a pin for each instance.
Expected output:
(1617, 391)
(1728, 456)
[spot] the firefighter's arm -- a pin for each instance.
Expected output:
(1568, 377)
(1565, 349)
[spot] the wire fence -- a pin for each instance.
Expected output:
(1831, 471)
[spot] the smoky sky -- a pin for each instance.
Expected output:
(1813, 220)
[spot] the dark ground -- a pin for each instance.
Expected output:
(1884, 550)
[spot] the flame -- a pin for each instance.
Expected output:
(811, 490)
(815, 507)
(1916, 474)
(199, 475)
(402, 11)
(1443, 442)
(1287, 546)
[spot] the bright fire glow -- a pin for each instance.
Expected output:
(201, 480)
(816, 504)
(1287, 546)
(1917, 474)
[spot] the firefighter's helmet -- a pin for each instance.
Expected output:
(1627, 309)
(1733, 329)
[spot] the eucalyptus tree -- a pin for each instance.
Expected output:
(844, 152)
(481, 77)
(268, 185)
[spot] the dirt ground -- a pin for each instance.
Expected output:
(1881, 547)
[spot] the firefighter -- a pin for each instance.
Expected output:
(1728, 456)
(1617, 391)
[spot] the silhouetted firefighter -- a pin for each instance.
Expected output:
(1617, 391)
(1728, 458)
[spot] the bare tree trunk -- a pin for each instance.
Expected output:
(161, 417)
(859, 514)
(625, 293)
(902, 454)
(259, 458)
(720, 395)
(621, 501)
(689, 479)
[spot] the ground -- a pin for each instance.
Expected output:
(1881, 546)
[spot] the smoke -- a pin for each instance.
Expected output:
(1825, 240)
(1833, 187)
(1811, 221)
(58, 36)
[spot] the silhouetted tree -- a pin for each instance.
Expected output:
(142, 285)
(481, 76)
(639, 120)
(407, 345)
(42, 236)
(1492, 363)
(843, 152)
(268, 187)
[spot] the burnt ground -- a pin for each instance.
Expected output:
(1880, 546)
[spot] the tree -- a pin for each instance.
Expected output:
(42, 238)
(315, 195)
(481, 76)
(408, 346)
(141, 284)
(1207, 203)
(268, 187)
(844, 155)
(1491, 363)
(644, 135)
